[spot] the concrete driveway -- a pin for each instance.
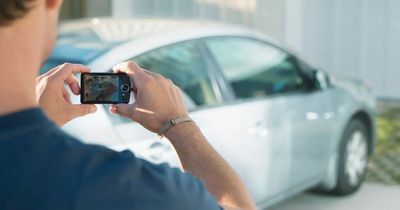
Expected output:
(370, 197)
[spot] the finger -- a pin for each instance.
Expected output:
(125, 110)
(113, 109)
(131, 68)
(51, 71)
(134, 71)
(155, 75)
(68, 69)
(66, 96)
(66, 72)
(82, 110)
(73, 84)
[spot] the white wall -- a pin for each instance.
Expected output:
(267, 15)
(356, 38)
(96, 8)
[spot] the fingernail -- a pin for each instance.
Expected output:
(113, 110)
(76, 86)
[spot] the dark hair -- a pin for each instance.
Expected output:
(11, 10)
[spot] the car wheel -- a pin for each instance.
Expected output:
(353, 158)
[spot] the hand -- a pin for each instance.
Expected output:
(157, 98)
(54, 98)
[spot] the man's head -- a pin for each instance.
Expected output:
(40, 13)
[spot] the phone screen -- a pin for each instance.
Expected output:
(104, 88)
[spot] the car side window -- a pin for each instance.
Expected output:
(254, 68)
(184, 64)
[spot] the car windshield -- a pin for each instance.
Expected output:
(78, 46)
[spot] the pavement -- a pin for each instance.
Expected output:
(371, 196)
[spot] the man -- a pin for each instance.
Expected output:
(43, 168)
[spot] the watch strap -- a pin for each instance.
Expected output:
(170, 123)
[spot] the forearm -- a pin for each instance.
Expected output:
(199, 158)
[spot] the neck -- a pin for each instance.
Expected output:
(19, 63)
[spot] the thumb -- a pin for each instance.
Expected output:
(125, 110)
(82, 110)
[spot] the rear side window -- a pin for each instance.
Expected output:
(254, 68)
(184, 64)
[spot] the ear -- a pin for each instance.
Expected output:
(53, 4)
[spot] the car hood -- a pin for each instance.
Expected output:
(358, 88)
(350, 84)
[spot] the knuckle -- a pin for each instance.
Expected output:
(66, 65)
(170, 84)
(39, 79)
(50, 81)
(178, 89)
(78, 66)
(132, 64)
(170, 81)
(161, 78)
(157, 77)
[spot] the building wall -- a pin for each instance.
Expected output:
(266, 15)
(74, 9)
(263, 14)
(356, 38)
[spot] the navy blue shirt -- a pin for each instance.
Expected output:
(42, 168)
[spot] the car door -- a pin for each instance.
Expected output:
(313, 120)
(274, 118)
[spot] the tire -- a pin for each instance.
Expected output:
(353, 158)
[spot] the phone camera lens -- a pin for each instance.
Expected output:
(125, 88)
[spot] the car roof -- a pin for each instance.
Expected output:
(119, 30)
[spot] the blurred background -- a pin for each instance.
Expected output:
(356, 38)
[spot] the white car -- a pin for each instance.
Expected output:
(284, 126)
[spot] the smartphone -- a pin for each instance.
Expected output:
(105, 88)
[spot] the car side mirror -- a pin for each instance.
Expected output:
(322, 79)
